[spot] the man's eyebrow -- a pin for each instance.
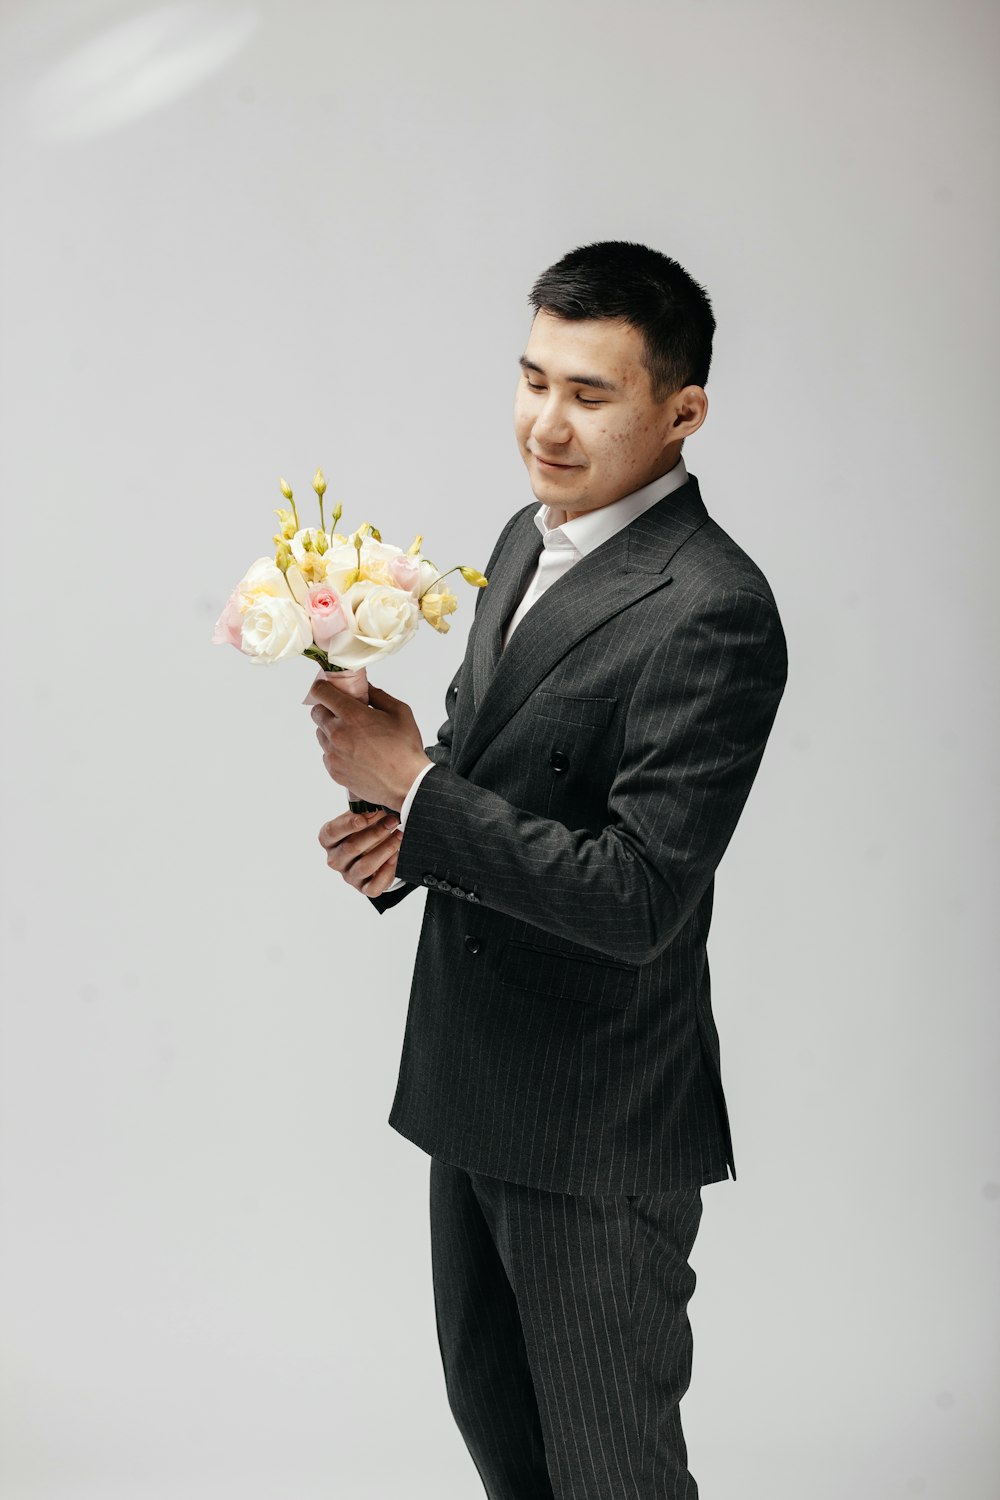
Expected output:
(597, 381)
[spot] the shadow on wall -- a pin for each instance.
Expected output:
(135, 67)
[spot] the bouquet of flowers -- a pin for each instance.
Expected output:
(343, 601)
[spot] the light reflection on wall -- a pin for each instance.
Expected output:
(137, 66)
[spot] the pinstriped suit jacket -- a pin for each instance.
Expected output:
(586, 782)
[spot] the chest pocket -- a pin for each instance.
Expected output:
(574, 710)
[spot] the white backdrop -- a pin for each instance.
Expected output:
(246, 239)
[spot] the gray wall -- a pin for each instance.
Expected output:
(244, 240)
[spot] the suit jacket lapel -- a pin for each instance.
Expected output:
(621, 570)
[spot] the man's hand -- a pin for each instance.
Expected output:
(375, 751)
(363, 847)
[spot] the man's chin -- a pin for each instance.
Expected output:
(554, 491)
(549, 495)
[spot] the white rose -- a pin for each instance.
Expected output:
(342, 562)
(375, 560)
(264, 577)
(275, 627)
(383, 620)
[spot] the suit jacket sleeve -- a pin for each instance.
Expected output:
(440, 753)
(697, 722)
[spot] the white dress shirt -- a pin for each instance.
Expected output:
(563, 544)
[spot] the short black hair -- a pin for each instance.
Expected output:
(621, 279)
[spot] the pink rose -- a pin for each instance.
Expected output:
(229, 625)
(404, 571)
(327, 614)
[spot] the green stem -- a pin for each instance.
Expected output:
(437, 580)
(320, 658)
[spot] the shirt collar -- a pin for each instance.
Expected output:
(587, 531)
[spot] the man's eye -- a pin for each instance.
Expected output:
(582, 399)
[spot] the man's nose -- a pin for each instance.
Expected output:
(551, 424)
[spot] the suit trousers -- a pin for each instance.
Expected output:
(563, 1329)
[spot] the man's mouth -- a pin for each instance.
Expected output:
(548, 464)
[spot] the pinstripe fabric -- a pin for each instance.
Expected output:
(586, 783)
(564, 1335)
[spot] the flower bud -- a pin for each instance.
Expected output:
(287, 519)
(414, 547)
(285, 488)
(473, 576)
(319, 483)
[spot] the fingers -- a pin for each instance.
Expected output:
(382, 878)
(358, 854)
(373, 869)
(346, 824)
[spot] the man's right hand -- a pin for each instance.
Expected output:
(363, 847)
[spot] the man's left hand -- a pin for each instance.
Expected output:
(374, 751)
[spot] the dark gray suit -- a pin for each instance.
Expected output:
(560, 1037)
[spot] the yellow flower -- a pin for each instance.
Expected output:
(285, 488)
(435, 606)
(287, 519)
(473, 576)
(313, 567)
(414, 546)
(319, 483)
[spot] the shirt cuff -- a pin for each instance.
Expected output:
(404, 811)
(403, 814)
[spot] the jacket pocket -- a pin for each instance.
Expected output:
(580, 709)
(564, 976)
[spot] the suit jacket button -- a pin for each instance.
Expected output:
(472, 943)
(428, 879)
(558, 760)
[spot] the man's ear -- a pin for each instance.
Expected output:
(687, 409)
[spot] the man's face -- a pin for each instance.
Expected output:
(607, 439)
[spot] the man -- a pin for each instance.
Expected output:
(560, 1062)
